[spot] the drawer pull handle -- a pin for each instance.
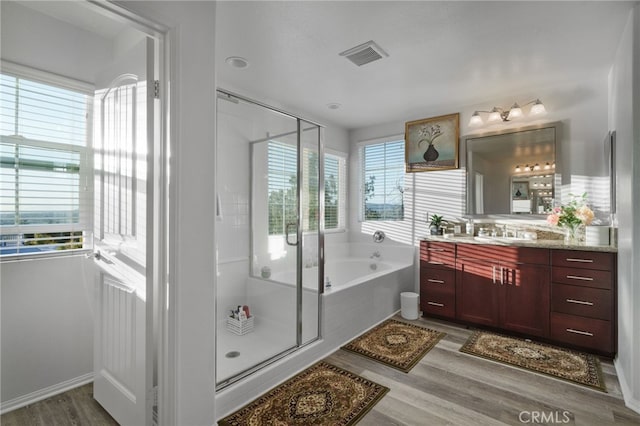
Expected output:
(435, 263)
(435, 281)
(441, 305)
(583, 333)
(579, 302)
(576, 277)
(435, 249)
(569, 259)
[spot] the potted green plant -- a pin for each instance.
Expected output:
(435, 224)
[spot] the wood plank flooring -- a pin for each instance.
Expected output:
(446, 387)
(74, 407)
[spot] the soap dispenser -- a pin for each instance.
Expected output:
(470, 227)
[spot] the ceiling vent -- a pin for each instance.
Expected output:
(364, 53)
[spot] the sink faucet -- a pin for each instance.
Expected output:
(376, 255)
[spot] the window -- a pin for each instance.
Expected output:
(282, 188)
(383, 181)
(43, 166)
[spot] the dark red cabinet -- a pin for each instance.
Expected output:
(566, 296)
(509, 295)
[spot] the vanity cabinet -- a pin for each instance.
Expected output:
(437, 279)
(505, 287)
(565, 296)
(583, 305)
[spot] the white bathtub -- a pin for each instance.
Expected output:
(359, 298)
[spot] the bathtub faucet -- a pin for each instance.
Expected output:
(375, 255)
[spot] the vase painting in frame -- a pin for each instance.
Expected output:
(432, 143)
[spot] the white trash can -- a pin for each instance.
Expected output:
(409, 305)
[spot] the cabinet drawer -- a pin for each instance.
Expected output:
(582, 259)
(437, 280)
(583, 301)
(436, 303)
(536, 256)
(438, 254)
(585, 332)
(581, 277)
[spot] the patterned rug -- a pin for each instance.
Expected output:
(577, 367)
(321, 395)
(395, 343)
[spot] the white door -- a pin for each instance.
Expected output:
(124, 234)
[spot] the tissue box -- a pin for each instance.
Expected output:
(240, 327)
(597, 235)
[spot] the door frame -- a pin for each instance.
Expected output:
(160, 335)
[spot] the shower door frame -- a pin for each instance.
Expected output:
(299, 233)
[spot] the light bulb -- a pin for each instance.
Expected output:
(518, 169)
(538, 108)
(494, 115)
(515, 111)
(536, 167)
(547, 166)
(475, 120)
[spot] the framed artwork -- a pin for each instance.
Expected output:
(519, 190)
(432, 143)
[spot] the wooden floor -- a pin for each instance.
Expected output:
(75, 407)
(446, 387)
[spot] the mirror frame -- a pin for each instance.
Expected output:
(557, 179)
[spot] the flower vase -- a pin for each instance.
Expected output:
(574, 234)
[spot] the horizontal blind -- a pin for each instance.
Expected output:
(334, 191)
(383, 171)
(43, 130)
(282, 186)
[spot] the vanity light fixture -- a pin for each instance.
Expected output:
(496, 114)
(518, 169)
(547, 166)
(536, 167)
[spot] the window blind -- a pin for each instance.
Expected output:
(282, 188)
(383, 171)
(43, 139)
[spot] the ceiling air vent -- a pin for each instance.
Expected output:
(364, 53)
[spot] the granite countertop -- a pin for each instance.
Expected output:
(550, 244)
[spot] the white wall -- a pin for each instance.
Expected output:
(47, 317)
(33, 39)
(191, 321)
(581, 106)
(624, 118)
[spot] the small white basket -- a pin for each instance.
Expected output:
(240, 327)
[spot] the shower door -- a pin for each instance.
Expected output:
(268, 235)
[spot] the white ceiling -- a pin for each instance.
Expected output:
(442, 55)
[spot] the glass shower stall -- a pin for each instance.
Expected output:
(269, 235)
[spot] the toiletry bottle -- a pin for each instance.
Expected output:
(470, 227)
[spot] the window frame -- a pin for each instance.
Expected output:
(85, 173)
(342, 159)
(362, 178)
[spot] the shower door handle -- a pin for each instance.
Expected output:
(286, 232)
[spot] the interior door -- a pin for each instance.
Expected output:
(123, 234)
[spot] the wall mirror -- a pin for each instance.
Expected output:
(512, 172)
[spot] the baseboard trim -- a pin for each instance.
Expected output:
(629, 401)
(39, 395)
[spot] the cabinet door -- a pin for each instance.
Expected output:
(477, 285)
(524, 298)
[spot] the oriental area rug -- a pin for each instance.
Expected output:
(323, 394)
(395, 343)
(566, 364)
